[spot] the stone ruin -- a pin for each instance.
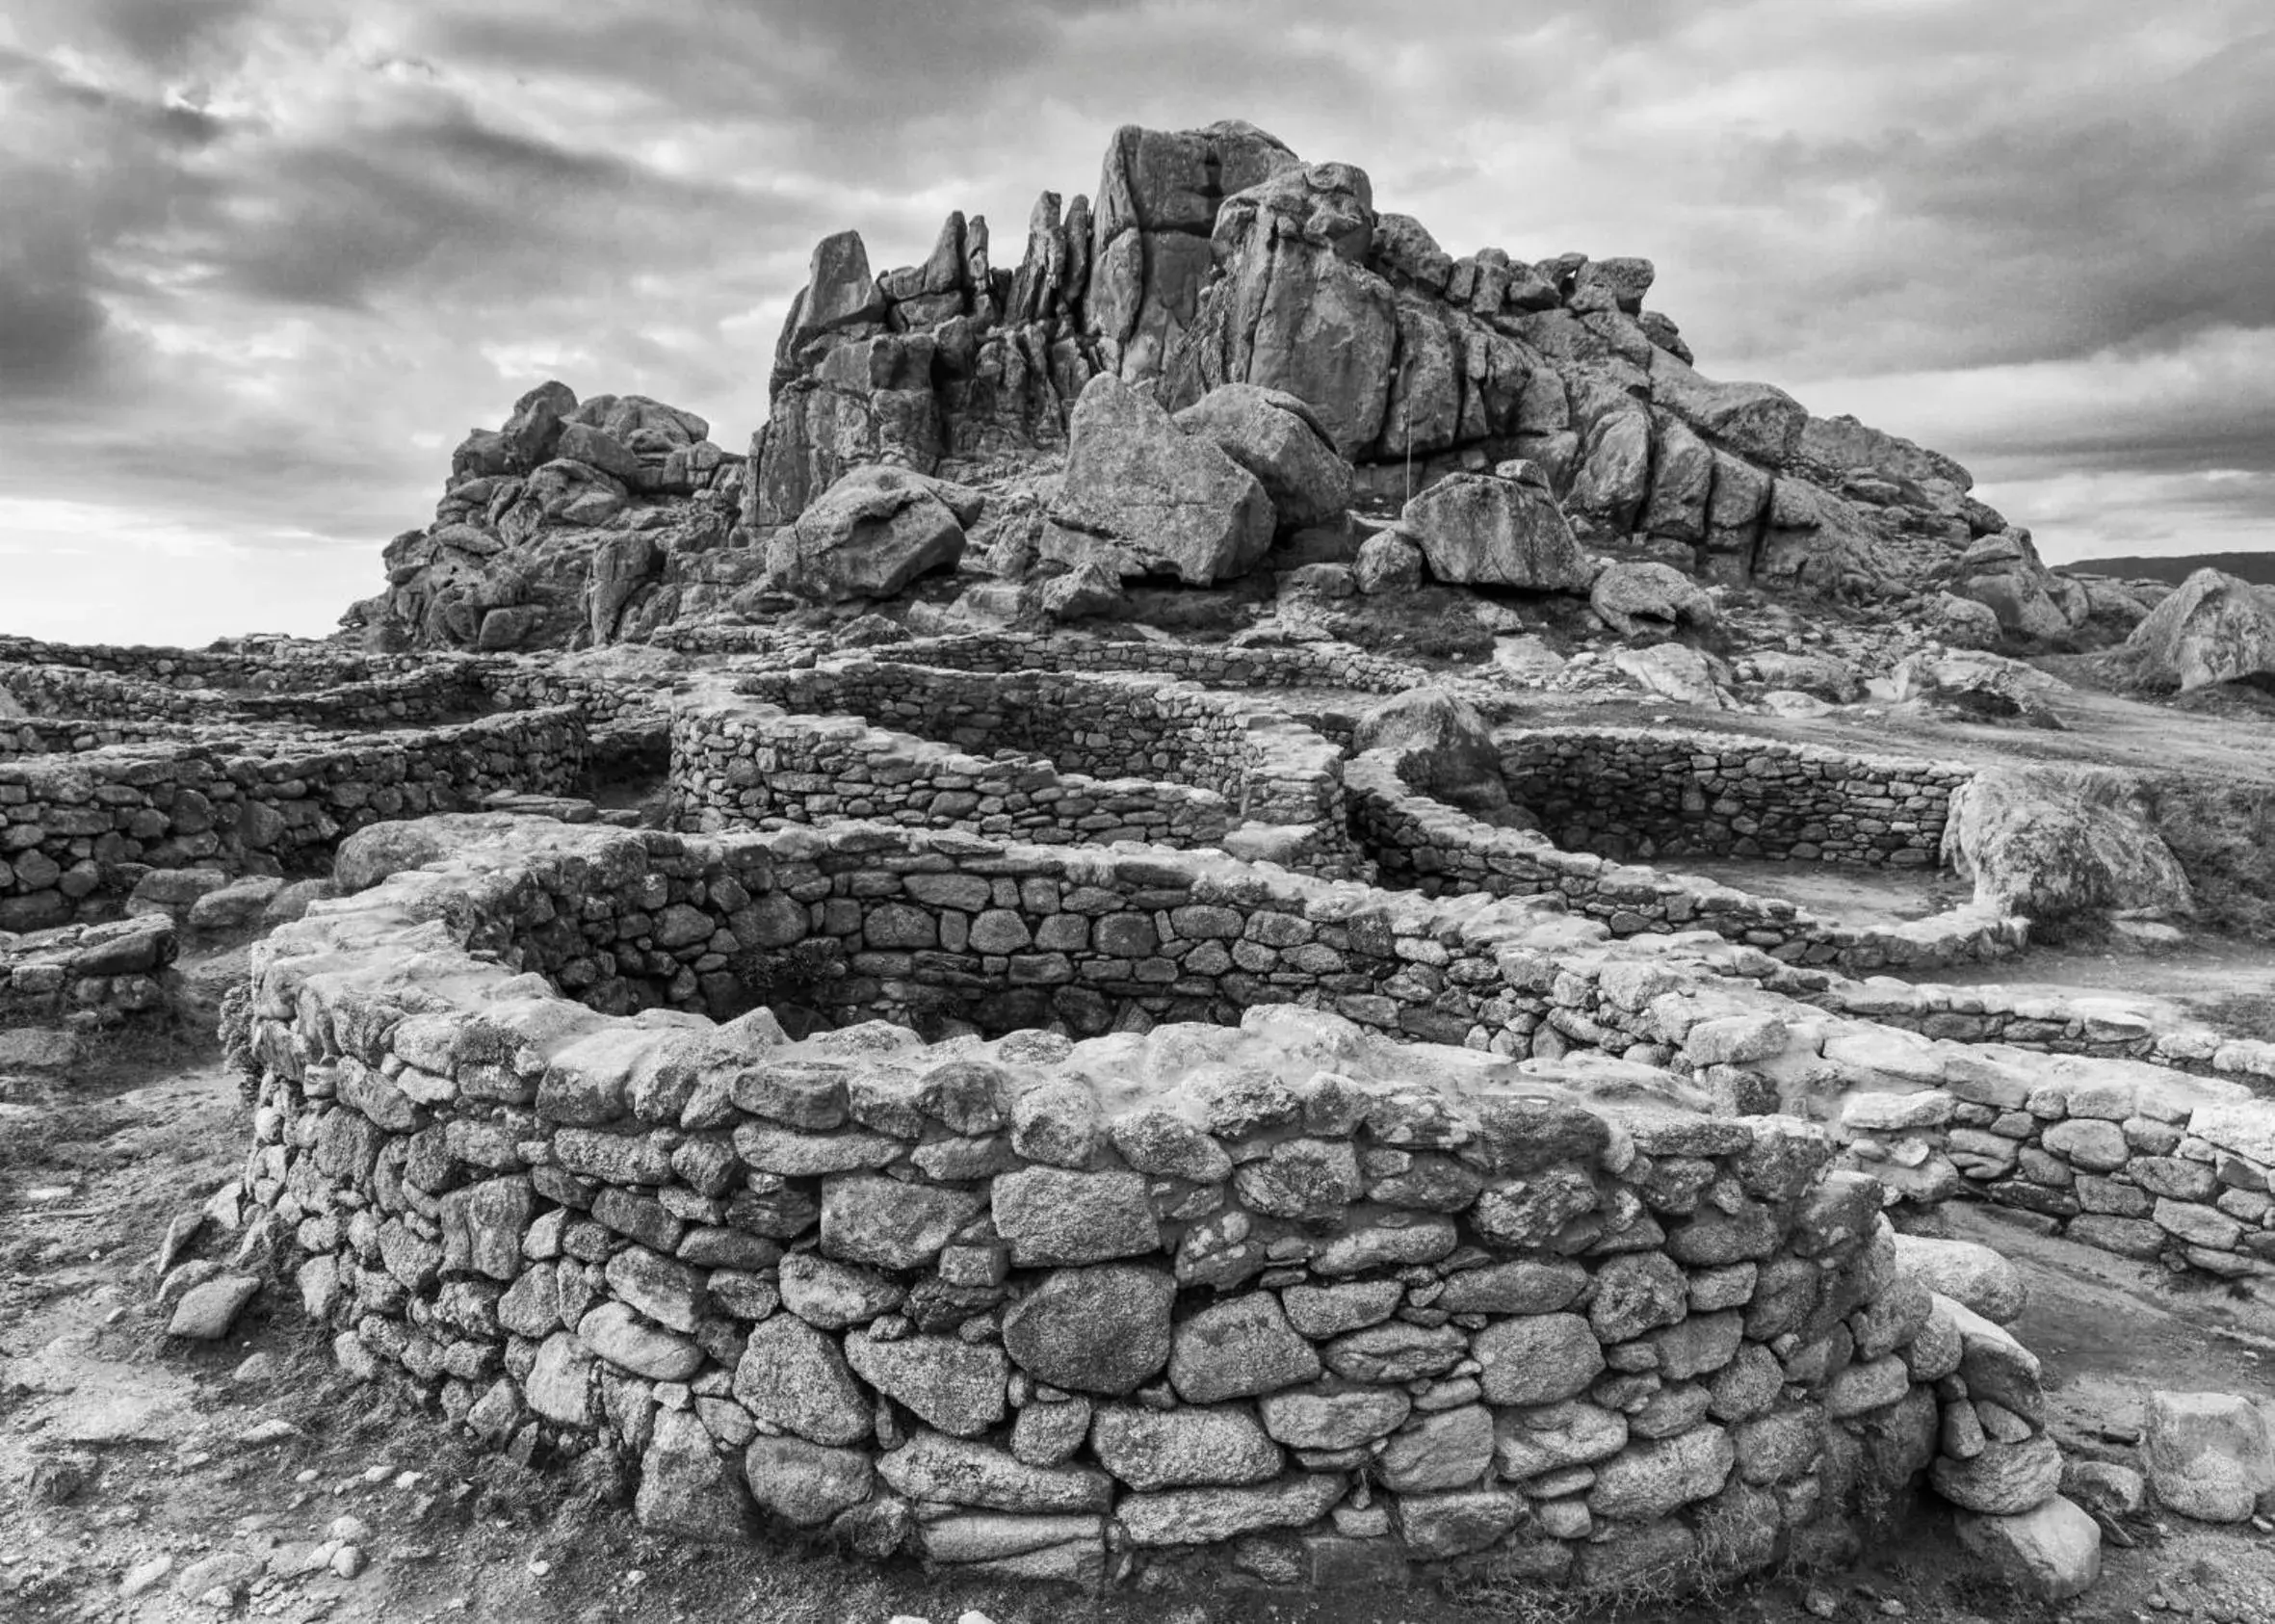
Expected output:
(1122, 1203)
(1073, 1105)
(1343, 1307)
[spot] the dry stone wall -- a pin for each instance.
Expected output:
(2097, 1026)
(739, 764)
(450, 692)
(109, 970)
(79, 830)
(1074, 1310)
(1416, 839)
(2123, 1156)
(26, 735)
(1213, 665)
(1647, 793)
(1269, 770)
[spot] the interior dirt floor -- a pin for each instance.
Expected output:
(120, 1446)
(1846, 893)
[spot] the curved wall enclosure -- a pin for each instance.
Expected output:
(1075, 1309)
(737, 763)
(1267, 770)
(1631, 793)
(1799, 805)
(77, 830)
(1332, 666)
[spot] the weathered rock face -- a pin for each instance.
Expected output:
(1499, 529)
(871, 533)
(1159, 195)
(1146, 498)
(2215, 628)
(2003, 573)
(1217, 257)
(1654, 599)
(1984, 686)
(1294, 307)
(952, 366)
(1276, 437)
(1214, 257)
(573, 524)
(2209, 1455)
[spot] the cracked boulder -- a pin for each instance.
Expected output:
(870, 534)
(1146, 498)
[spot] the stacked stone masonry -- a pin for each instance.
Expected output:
(1649, 794)
(79, 830)
(1213, 665)
(1269, 770)
(944, 932)
(113, 970)
(741, 764)
(436, 687)
(1418, 841)
(1072, 1310)
(2120, 1156)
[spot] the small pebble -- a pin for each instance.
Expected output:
(348, 1562)
(538, 1567)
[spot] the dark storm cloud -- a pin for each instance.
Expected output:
(167, 32)
(430, 201)
(83, 167)
(2013, 228)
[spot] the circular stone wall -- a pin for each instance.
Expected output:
(1286, 1294)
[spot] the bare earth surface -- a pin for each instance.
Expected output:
(2230, 986)
(1845, 895)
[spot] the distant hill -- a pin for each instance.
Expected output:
(2259, 569)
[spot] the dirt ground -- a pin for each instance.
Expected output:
(2230, 985)
(1844, 894)
(120, 1447)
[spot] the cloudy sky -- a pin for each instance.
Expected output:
(263, 262)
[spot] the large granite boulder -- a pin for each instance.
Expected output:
(1502, 529)
(1146, 498)
(2054, 842)
(1293, 306)
(571, 524)
(870, 535)
(1280, 440)
(1159, 194)
(1980, 687)
(2215, 628)
(2003, 573)
(620, 567)
(1448, 747)
(1650, 599)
